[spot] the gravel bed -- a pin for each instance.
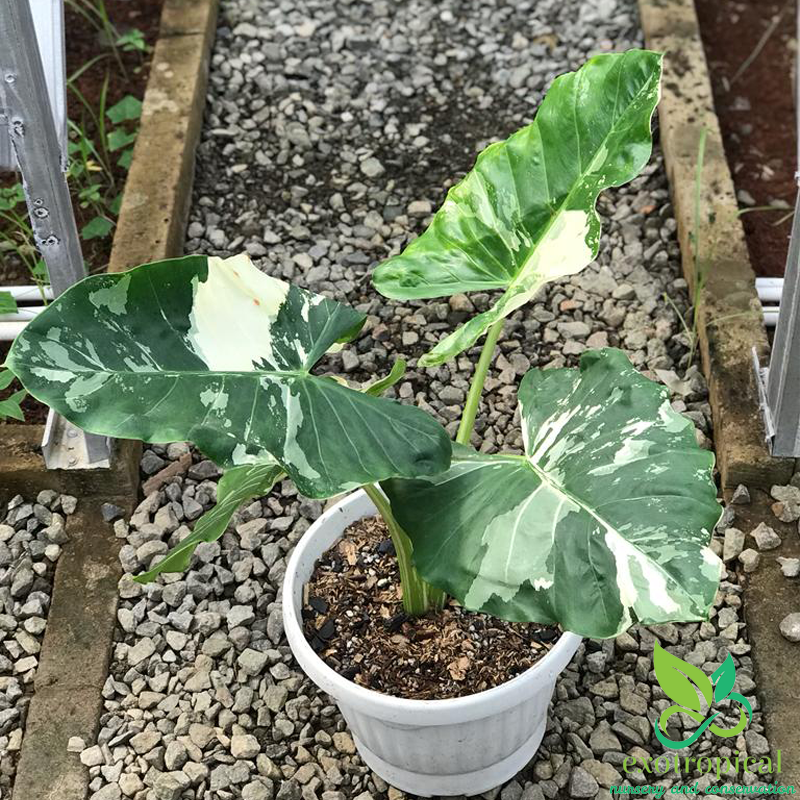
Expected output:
(334, 129)
(31, 536)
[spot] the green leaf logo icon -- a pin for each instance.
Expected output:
(723, 678)
(681, 682)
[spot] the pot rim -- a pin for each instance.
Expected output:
(404, 709)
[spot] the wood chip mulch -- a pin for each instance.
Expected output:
(353, 618)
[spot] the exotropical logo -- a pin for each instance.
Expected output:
(681, 682)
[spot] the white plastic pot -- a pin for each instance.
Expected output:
(465, 745)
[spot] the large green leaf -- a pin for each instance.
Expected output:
(605, 521)
(235, 486)
(216, 352)
(525, 214)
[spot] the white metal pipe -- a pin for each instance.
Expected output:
(769, 282)
(23, 314)
(770, 294)
(769, 289)
(10, 330)
(28, 294)
(11, 325)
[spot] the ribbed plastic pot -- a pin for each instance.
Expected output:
(464, 745)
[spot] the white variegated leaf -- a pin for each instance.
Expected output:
(525, 214)
(215, 352)
(603, 522)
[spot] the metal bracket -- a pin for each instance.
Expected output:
(65, 446)
(762, 379)
(779, 385)
(782, 381)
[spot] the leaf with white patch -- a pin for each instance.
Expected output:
(525, 214)
(216, 352)
(235, 486)
(603, 522)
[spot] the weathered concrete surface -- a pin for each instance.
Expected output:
(768, 598)
(74, 660)
(155, 205)
(730, 323)
(53, 717)
(83, 611)
(22, 468)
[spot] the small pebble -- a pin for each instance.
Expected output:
(790, 627)
(790, 567)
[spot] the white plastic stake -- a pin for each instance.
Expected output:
(28, 294)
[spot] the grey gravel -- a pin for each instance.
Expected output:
(31, 535)
(750, 559)
(741, 495)
(733, 544)
(333, 132)
(582, 784)
(111, 512)
(766, 538)
(787, 505)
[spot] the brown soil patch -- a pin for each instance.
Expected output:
(756, 114)
(353, 618)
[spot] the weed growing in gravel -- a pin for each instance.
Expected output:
(702, 260)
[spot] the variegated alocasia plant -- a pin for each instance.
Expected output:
(604, 520)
